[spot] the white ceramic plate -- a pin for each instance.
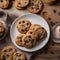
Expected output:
(34, 19)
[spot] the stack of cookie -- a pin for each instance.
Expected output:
(10, 53)
(30, 33)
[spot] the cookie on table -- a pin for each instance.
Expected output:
(19, 40)
(4, 3)
(6, 56)
(20, 4)
(29, 41)
(2, 29)
(41, 33)
(35, 6)
(34, 26)
(16, 4)
(23, 25)
(19, 55)
(49, 1)
(8, 49)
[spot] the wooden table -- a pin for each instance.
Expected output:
(52, 15)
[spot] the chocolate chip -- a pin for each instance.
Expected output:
(26, 41)
(23, 21)
(10, 49)
(20, 40)
(5, 50)
(17, 54)
(30, 32)
(1, 0)
(59, 13)
(27, 24)
(52, 23)
(54, 11)
(52, 52)
(44, 12)
(19, 22)
(29, 36)
(19, 59)
(22, 30)
(49, 18)
(19, 3)
(32, 8)
(4, 58)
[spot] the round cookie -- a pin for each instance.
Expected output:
(32, 32)
(16, 4)
(22, 3)
(34, 27)
(35, 6)
(23, 25)
(4, 3)
(19, 40)
(49, 1)
(19, 55)
(41, 33)
(2, 29)
(6, 56)
(8, 49)
(29, 41)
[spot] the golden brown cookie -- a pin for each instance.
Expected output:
(16, 4)
(29, 41)
(7, 52)
(4, 3)
(23, 25)
(49, 1)
(34, 27)
(6, 56)
(19, 55)
(19, 40)
(41, 33)
(8, 49)
(32, 32)
(2, 29)
(20, 4)
(35, 6)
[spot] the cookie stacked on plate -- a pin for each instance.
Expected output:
(30, 33)
(10, 53)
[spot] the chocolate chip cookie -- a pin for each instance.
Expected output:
(29, 41)
(19, 55)
(4, 3)
(2, 29)
(35, 6)
(32, 32)
(17, 6)
(34, 27)
(8, 49)
(19, 39)
(49, 1)
(6, 56)
(23, 25)
(20, 4)
(41, 33)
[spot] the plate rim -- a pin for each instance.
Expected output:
(19, 18)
